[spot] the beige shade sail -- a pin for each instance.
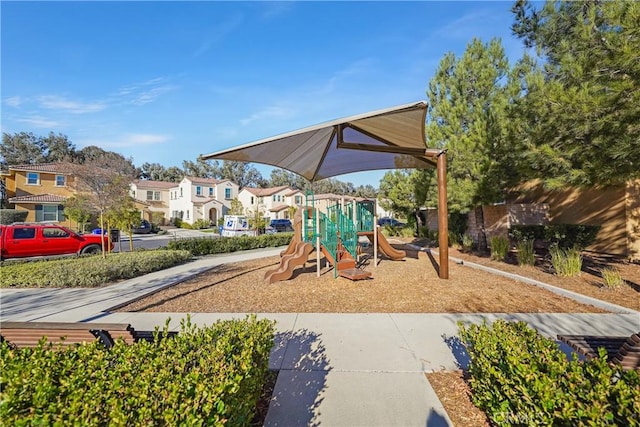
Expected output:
(392, 138)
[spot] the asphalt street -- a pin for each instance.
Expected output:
(155, 241)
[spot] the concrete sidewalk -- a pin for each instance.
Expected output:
(335, 369)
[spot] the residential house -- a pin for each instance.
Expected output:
(274, 202)
(156, 197)
(41, 189)
(201, 198)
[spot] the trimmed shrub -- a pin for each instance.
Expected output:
(200, 224)
(563, 235)
(9, 216)
(88, 270)
(519, 377)
(207, 246)
(567, 263)
(571, 235)
(519, 233)
(407, 231)
(467, 243)
(454, 238)
(457, 222)
(208, 376)
(499, 247)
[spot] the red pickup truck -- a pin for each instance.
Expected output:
(21, 240)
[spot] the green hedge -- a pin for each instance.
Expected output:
(88, 271)
(208, 246)
(521, 378)
(563, 235)
(207, 376)
(9, 216)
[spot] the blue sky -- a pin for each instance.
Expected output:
(163, 82)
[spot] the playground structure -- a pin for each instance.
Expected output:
(335, 234)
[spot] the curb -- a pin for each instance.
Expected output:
(560, 291)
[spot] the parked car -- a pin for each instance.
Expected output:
(281, 225)
(143, 228)
(20, 240)
(390, 221)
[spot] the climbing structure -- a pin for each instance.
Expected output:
(336, 233)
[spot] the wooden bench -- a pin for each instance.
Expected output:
(624, 351)
(28, 334)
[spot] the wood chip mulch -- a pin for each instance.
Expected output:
(408, 286)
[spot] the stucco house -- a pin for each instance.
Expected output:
(274, 202)
(201, 198)
(41, 189)
(156, 196)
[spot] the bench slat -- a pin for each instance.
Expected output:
(624, 351)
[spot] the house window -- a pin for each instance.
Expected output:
(149, 195)
(227, 193)
(180, 191)
(61, 181)
(198, 191)
(54, 213)
(187, 214)
(274, 198)
(298, 200)
(156, 195)
(210, 191)
(33, 178)
(251, 200)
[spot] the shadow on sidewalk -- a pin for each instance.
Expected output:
(303, 367)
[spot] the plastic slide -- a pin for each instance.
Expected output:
(297, 234)
(289, 263)
(386, 248)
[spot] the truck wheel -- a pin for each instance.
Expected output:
(91, 249)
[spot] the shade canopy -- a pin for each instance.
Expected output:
(392, 138)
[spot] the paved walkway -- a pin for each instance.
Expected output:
(335, 369)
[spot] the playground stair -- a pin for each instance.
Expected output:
(345, 264)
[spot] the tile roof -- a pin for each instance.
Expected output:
(38, 198)
(203, 201)
(331, 196)
(142, 202)
(59, 167)
(293, 191)
(261, 192)
(195, 179)
(62, 168)
(147, 183)
(279, 208)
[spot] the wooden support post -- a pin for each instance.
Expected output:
(443, 221)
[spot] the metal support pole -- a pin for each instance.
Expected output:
(317, 212)
(443, 222)
(376, 230)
